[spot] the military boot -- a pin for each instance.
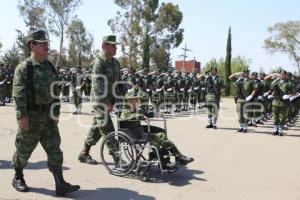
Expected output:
(209, 124)
(61, 186)
(183, 160)
(280, 130)
(85, 157)
(275, 130)
(18, 182)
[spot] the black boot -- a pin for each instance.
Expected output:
(183, 160)
(85, 157)
(18, 182)
(61, 186)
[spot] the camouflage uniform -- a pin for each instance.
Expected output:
(3, 80)
(169, 93)
(280, 105)
(245, 87)
(214, 85)
(78, 83)
(36, 107)
(158, 136)
(10, 76)
(102, 123)
(36, 97)
(179, 91)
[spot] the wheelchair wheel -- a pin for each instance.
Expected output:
(118, 153)
(143, 172)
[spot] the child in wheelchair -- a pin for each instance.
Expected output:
(131, 120)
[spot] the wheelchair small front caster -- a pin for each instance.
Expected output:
(144, 172)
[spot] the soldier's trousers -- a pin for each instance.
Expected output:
(8, 91)
(2, 93)
(213, 108)
(66, 91)
(102, 125)
(179, 99)
(160, 140)
(242, 115)
(45, 132)
(77, 94)
(279, 115)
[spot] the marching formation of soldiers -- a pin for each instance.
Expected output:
(171, 92)
(259, 98)
(6, 81)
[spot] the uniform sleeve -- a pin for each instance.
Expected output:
(99, 83)
(19, 91)
(127, 115)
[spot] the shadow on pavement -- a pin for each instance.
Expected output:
(99, 194)
(181, 177)
(6, 164)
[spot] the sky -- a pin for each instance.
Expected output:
(205, 24)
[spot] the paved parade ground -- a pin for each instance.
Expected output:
(228, 165)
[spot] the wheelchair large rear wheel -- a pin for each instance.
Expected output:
(118, 153)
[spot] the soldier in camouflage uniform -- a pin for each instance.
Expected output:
(281, 92)
(158, 93)
(37, 112)
(88, 83)
(105, 72)
(214, 87)
(246, 90)
(78, 83)
(256, 113)
(3, 81)
(179, 92)
(159, 137)
(291, 104)
(9, 82)
(169, 93)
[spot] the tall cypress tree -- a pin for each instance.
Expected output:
(228, 63)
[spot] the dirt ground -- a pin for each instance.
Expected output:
(228, 165)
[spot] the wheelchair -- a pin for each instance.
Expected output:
(125, 154)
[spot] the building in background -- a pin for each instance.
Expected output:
(190, 66)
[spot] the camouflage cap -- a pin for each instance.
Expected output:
(111, 39)
(246, 71)
(254, 74)
(283, 72)
(38, 36)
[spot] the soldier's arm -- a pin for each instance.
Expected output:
(234, 76)
(128, 115)
(99, 83)
(19, 91)
(271, 76)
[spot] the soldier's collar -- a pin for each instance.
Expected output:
(110, 60)
(35, 62)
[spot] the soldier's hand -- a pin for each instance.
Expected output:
(109, 107)
(23, 123)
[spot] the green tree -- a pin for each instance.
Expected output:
(33, 13)
(21, 43)
(12, 56)
(127, 24)
(145, 25)
(285, 38)
(228, 63)
(80, 42)
(54, 54)
(59, 14)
